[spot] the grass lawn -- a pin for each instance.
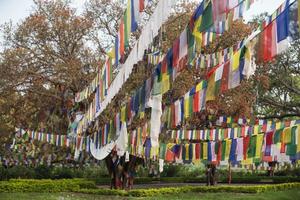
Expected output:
(285, 195)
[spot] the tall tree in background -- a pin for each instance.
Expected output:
(45, 61)
(278, 85)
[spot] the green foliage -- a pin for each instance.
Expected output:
(235, 179)
(42, 172)
(95, 172)
(30, 185)
(288, 172)
(182, 171)
(20, 172)
(62, 172)
(45, 172)
(186, 189)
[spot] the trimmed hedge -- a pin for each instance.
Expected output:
(89, 187)
(185, 189)
(46, 185)
(248, 180)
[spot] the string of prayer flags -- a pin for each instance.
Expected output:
(244, 150)
(218, 134)
(128, 24)
(55, 139)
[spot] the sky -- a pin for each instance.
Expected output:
(17, 10)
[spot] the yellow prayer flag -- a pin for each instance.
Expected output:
(187, 152)
(199, 86)
(248, 161)
(236, 60)
(197, 33)
(165, 83)
(227, 150)
(277, 125)
(186, 105)
(142, 115)
(228, 120)
(204, 150)
(287, 135)
(154, 152)
(255, 131)
(111, 53)
(259, 142)
(210, 92)
(235, 132)
(123, 114)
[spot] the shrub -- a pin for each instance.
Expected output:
(62, 173)
(42, 172)
(30, 185)
(95, 172)
(20, 172)
(3, 173)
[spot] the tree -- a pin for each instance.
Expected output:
(278, 85)
(45, 61)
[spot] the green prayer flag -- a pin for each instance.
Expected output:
(223, 149)
(162, 150)
(191, 45)
(207, 18)
(252, 147)
(126, 28)
(291, 149)
(277, 136)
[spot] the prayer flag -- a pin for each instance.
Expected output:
(282, 22)
(134, 15)
(224, 79)
(207, 18)
(121, 36)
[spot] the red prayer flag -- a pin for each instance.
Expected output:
(176, 52)
(225, 75)
(169, 156)
(196, 99)
(282, 147)
(269, 42)
(142, 5)
(245, 146)
(197, 151)
(122, 44)
(164, 66)
(243, 131)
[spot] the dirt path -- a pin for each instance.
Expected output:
(164, 185)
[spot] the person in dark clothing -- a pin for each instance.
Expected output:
(213, 174)
(208, 174)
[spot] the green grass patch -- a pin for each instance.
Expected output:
(270, 195)
(82, 186)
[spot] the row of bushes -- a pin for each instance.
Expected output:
(89, 187)
(100, 171)
(248, 179)
(29, 185)
(45, 172)
(199, 170)
(198, 189)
